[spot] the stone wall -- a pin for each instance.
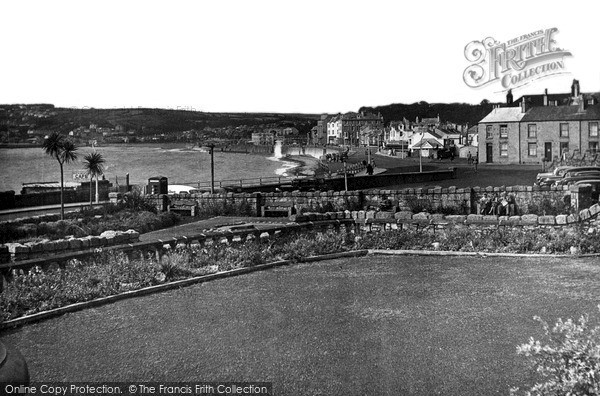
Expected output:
(370, 218)
(29, 250)
(447, 200)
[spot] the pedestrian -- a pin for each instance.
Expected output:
(475, 162)
(369, 169)
(469, 159)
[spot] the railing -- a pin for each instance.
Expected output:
(257, 181)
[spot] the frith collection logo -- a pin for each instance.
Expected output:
(516, 62)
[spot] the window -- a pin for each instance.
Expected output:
(593, 129)
(564, 130)
(532, 149)
(594, 147)
(504, 131)
(488, 132)
(503, 149)
(532, 131)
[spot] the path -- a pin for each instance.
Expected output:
(196, 227)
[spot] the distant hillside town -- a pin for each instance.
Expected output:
(533, 128)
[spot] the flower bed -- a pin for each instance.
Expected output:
(112, 273)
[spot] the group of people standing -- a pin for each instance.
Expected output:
(473, 160)
(369, 166)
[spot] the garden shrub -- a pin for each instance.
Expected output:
(417, 205)
(550, 207)
(225, 208)
(568, 363)
(135, 200)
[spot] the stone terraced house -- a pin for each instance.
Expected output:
(538, 128)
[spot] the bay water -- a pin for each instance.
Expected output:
(181, 165)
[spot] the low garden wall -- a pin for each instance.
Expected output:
(438, 220)
(29, 250)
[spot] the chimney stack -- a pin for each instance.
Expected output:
(523, 105)
(575, 90)
(509, 97)
(546, 97)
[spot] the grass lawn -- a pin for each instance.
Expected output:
(372, 325)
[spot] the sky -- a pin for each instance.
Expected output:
(273, 56)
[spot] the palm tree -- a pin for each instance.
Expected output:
(94, 165)
(64, 151)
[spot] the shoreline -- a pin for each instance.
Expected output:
(306, 165)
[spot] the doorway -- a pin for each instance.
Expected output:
(489, 153)
(548, 151)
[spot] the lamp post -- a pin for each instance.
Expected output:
(345, 176)
(421, 158)
(97, 192)
(211, 150)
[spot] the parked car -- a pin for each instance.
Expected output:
(571, 178)
(558, 171)
(561, 172)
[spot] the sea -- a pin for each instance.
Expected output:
(180, 164)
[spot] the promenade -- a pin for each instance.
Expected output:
(17, 213)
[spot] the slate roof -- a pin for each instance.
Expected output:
(504, 114)
(423, 143)
(561, 113)
(561, 98)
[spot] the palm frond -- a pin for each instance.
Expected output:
(94, 163)
(69, 152)
(53, 144)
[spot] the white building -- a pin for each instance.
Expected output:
(334, 130)
(427, 143)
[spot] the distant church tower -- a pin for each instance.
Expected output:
(509, 97)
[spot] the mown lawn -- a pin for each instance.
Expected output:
(372, 325)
